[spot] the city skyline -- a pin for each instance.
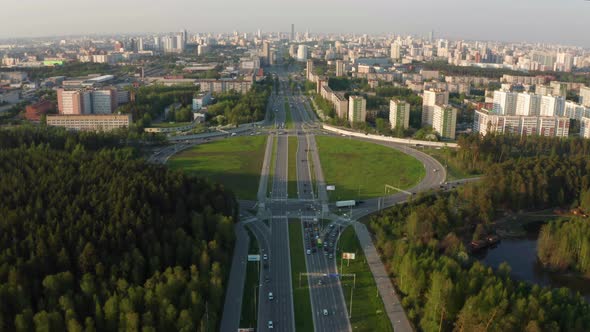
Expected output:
(459, 19)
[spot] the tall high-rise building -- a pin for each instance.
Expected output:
(302, 51)
(266, 52)
(396, 51)
(157, 45)
(180, 43)
(528, 104)
(339, 68)
(104, 101)
(585, 96)
(431, 98)
(552, 106)
(292, 32)
(585, 127)
(309, 69)
(444, 121)
(74, 102)
(399, 114)
(357, 109)
(140, 45)
(504, 102)
(184, 34)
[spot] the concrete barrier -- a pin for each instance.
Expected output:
(388, 138)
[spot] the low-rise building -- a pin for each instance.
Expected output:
(35, 111)
(90, 122)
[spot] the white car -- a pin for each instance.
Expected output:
(325, 312)
(270, 296)
(308, 252)
(270, 325)
(265, 257)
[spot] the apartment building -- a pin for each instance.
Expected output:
(444, 121)
(399, 114)
(357, 109)
(432, 98)
(487, 122)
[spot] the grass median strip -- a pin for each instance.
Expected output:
(233, 162)
(289, 117)
(362, 169)
(368, 312)
(292, 164)
(301, 301)
(273, 160)
(249, 312)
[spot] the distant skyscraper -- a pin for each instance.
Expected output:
(432, 98)
(266, 52)
(357, 109)
(184, 38)
(157, 44)
(339, 68)
(399, 114)
(140, 44)
(396, 51)
(431, 36)
(302, 53)
(292, 32)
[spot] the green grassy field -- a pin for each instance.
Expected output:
(233, 162)
(292, 164)
(289, 117)
(301, 301)
(368, 312)
(454, 172)
(249, 315)
(361, 169)
(170, 124)
(273, 158)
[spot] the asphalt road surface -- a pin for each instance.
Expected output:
(327, 300)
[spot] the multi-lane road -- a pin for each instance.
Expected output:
(269, 225)
(327, 300)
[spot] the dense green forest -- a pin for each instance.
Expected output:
(442, 287)
(235, 108)
(93, 239)
(477, 152)
(150, 101)
(565, 245)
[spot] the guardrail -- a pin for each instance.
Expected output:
(388, 138)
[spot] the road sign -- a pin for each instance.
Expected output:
(331, 188)
(253, 258)
(348, 255)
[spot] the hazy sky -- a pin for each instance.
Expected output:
(557, 21)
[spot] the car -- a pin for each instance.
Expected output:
(330, 256)
(308, 252)
(435, 170)
(270, 324)
(325, 312)
(265, 257)
(270, 296)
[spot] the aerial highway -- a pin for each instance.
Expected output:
(268, 217)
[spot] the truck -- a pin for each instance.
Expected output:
(342, 204)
